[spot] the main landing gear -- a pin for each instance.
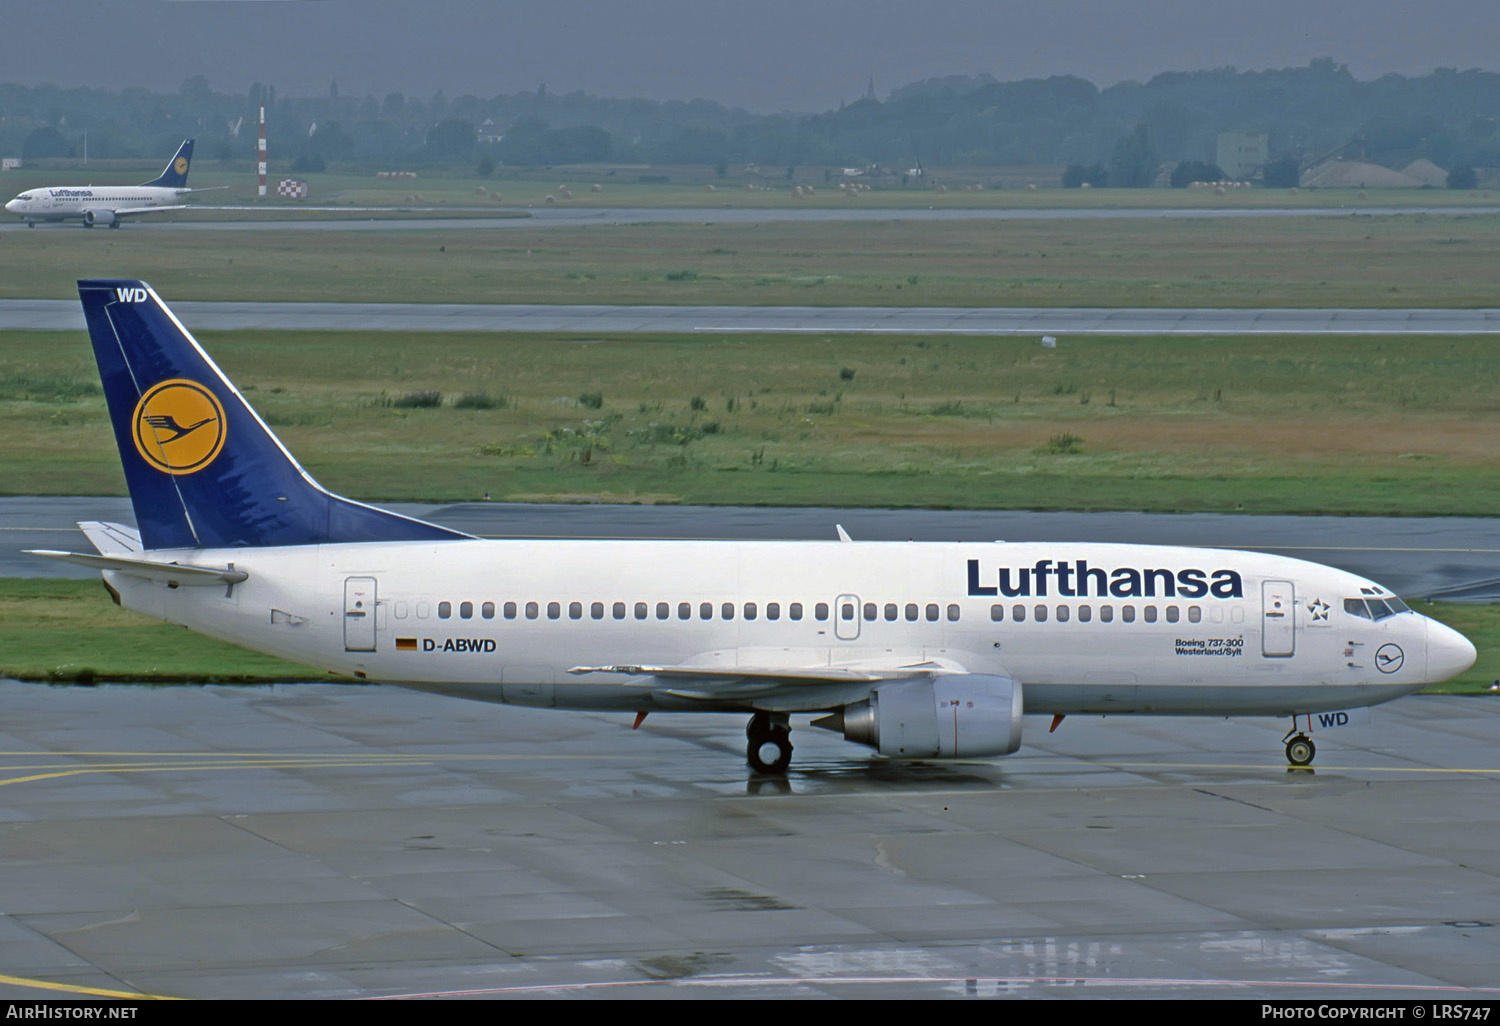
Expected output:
(1299, 748)
(770, 748)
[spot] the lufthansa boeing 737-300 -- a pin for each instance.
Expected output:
(104, 205)
(919, 650)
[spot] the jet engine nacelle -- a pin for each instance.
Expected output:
(98, 217)
(958, 715)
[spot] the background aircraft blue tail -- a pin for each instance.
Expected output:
(175, 175)
(203, 469)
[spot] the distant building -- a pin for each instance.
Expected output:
(1241, 154)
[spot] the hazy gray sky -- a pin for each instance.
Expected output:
(763, 55)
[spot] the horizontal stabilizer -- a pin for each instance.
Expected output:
(175, 574)
(111, 539)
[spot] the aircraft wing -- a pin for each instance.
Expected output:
(132, 211)
(804, 687)
(175, 574)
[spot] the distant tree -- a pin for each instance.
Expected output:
(1190, 171)
(1463, 177)
(486, 166)
(1075, 176)
(309, 163)
(1283, 173)
(41, 143)
(1132, 163)
(453, 139)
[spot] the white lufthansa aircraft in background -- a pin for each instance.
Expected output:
(104, 205)
(915, 649)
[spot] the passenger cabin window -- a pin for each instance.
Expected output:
(997, 613)
(445, 610)
(911, 612)
(618, 610)
(706, 611)
(1040, 613)
(510, 610)
(820, 611)
(466, 610)
(953, 612)
(1018, 613)
(532, 610)
(1150, 614)
(487, 610)
(1127, 614)
(1106, 614)
(663, 610)
(640, 610)
(890, 611)
(795, 611)
(596, 610)
(575, 610)
(554, 610)
(932, 612)
(1062, 614)
(727, 610)
(1195, 614)
(684, 610)
(1085, 613)
(751, 610)
(773, 610)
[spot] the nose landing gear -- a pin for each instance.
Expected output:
(1299, 748)
(770, 748)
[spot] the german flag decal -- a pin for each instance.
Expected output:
(406, 644)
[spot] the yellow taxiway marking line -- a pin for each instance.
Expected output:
(71, 988)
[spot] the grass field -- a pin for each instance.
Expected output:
(689, 186)
(1379, 261)
(1321, 425)
(69, 631)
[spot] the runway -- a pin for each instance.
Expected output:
(1456, 557)
(326, 841)
(569, 216)
(66, 315)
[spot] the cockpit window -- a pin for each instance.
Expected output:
(1374, 608)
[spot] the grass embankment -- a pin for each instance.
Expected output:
(69, 630)
(43, 619)
(1324, 425)
(1423, 260)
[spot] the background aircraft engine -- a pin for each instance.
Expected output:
(99, 217)
(960, 715)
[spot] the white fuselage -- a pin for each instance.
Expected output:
(74, 202)
(1084, 628)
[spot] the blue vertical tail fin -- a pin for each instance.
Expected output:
(174, 176)
(204, 471)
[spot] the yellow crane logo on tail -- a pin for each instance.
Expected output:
(178, 426)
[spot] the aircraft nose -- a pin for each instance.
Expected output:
(1449, 653)
(13, 205)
